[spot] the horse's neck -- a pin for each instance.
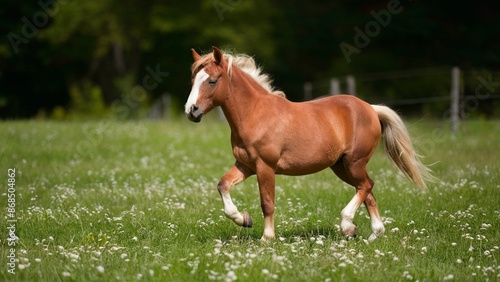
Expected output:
(244, 95)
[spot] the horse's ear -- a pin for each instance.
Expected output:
(196, 56)
(218, 55)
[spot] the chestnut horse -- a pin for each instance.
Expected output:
(271, 135)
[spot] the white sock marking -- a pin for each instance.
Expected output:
(231, 210)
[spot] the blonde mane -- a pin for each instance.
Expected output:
(247, 64)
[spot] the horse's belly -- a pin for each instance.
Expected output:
(304, 165)
(297, 170)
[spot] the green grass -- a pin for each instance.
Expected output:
(138, 201)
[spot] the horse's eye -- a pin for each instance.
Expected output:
(212, 82)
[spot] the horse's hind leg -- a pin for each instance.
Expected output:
(376, 222)
(354, 173)
(235, 175)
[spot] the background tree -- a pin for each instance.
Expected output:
(96, 52)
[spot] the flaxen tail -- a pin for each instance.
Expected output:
(398, 147)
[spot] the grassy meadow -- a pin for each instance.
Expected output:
(128, 201)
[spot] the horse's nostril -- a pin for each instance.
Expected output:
(194, 108)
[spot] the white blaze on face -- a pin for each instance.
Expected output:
(195, 90)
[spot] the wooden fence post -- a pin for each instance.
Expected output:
(351, 85)
(334, 86)
(455, 99)
(308, 91)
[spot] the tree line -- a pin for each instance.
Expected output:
(64, 58)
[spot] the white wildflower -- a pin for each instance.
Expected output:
(231, 276)
(423, 250)
(448, 277)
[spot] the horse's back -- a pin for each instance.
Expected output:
(352, 118)
(345, 102)
(347, 109)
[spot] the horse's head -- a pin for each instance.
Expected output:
(209, 79)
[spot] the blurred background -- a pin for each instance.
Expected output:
(128, 59)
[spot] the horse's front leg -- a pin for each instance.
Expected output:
(266, 178)
(235, 175)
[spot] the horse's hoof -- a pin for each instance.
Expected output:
(266, 239)
(351, 232)
(374, 237)
(247, 220)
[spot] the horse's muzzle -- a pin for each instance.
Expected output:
(195, 114)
